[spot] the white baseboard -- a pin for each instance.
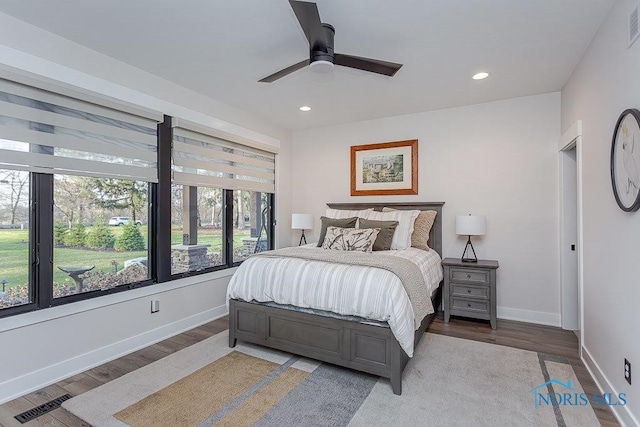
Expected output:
(540, 317)
(48, 375)
(622, 413)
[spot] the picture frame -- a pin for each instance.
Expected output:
(384, 169)
(625, 160)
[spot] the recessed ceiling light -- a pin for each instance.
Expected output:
(480, 76)
(305, 108)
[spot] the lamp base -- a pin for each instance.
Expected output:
(302, 239)
(469, 244)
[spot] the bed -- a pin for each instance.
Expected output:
(346, 341)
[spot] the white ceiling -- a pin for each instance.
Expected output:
(221, 48)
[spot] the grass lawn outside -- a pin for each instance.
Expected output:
(14, 253)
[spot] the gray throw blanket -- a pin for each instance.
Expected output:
(408, 273)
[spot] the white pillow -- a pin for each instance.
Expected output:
(342, 213)
(406, 220)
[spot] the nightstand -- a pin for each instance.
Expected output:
(470, 289)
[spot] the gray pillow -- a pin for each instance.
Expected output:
(335, 222)
(385, 236)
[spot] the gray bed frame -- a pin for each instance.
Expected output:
(363, 347)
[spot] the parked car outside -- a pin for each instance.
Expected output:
(122, 220)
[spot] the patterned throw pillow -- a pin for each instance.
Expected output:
(350, 239)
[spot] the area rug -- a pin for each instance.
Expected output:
(449, 381)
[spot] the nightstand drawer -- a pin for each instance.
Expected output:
(469, 275)
(459, 290)
(477, 306)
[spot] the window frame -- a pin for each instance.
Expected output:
(165, 138)
(48, 244)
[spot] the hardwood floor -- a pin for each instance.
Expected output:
(97, 376)
(544, 339)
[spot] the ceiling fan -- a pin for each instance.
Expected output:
(321, 54)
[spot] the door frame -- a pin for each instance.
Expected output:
(570, 139)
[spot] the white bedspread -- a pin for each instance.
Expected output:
(345, 289)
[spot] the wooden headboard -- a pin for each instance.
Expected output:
(435, 235)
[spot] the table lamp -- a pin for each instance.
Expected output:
(302, 222)
(470, 225)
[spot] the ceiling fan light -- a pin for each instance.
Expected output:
(321, 66)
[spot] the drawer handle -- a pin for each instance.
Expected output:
(468, 304)
(468, 276)
(468, 291)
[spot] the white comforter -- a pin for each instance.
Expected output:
(352, 290)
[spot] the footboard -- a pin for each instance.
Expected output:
(366, 348)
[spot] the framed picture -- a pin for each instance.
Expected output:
(625, 160)
(388, 168)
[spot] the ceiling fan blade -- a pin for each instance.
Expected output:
(366, 64)
(309, 19)
(275, 76)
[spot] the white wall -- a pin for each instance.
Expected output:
(42, 347)
(31, 48)
(607, 82)
(499, 159)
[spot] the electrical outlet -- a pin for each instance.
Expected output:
(155, 306)
(627, 371)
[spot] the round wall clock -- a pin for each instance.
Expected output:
(625, 160)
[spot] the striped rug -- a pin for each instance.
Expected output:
(239, 389)
(450, 381)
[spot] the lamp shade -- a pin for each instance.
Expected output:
(471, 225)
(301, 221)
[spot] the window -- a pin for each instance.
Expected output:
(197, 218)
(15, 238)
(90, 253)
(82, 161)
(250, 224)
(234, 182)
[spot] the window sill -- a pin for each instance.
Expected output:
(45, 315)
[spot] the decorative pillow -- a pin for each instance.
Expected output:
(421, 229)
(336, 222)
(350, 239)
(385, 237)
(342, 213)
(402, 236)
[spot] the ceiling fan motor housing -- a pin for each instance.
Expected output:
(317, 52)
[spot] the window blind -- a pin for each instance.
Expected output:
(72, 133)
(205, 157)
